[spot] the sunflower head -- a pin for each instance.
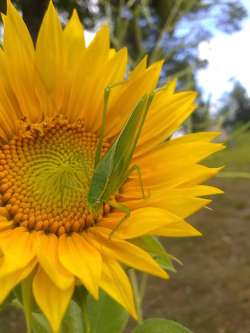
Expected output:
(55, 224)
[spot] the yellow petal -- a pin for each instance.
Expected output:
(201, 175)
(73, 35)
(200, 136)
(164, 166)
(98, 50)
(19, 64)
(171, 87)
(125, 97)
(179, 201)
(171, 177)
(4, 225)
(82, 260)
(168, 154)
(87, 74)
(9, 282)
(116, 283)
(50, 58)
(173, 110)
(47, 256)
(201, 190)
(112, 72)
(18, 250)
(182, 229)
(17, 39)
(74, 46)
(52, 300)
(112, 53)
(139, 69)
(141, 222)
(126, 253)
(8, 120)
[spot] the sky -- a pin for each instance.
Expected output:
(228, 59)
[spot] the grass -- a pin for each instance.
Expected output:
(235, 157)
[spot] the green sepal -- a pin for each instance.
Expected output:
(153, 245)
(158, 325)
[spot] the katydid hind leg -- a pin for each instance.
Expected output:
(123, 209)
(136, 168)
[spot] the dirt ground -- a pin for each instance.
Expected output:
(211, 291)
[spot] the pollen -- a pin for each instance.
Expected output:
(45, 175)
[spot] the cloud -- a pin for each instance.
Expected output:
(229, 60)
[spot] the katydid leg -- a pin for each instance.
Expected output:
(136, 168)
(104, 119)
(107, 92)
(123, 209)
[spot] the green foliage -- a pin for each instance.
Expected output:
(235, 157)
(236, 108)
(106, 316)
(201, 117)
(158, 325)
(73, 319)
(155, 248)
(8, 300)
(40, 324)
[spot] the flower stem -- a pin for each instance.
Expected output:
(86, 322)
(143, 285)
(137, 296)
(27, 301)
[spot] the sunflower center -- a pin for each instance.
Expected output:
(45, 177)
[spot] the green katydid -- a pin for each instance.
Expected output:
(114, 168)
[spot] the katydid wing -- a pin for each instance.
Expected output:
(112, 170)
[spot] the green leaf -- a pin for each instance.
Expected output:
(40, 323)
(73, 319)
(156, 249)
(8, 300)
(158, 325)
(106, 316)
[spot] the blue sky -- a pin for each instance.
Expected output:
(228, 59)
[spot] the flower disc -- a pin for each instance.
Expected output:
(45, 176)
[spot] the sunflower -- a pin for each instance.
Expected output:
(51, 106)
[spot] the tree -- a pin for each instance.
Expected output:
(236, 108)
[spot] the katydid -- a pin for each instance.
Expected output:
(114, 168)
